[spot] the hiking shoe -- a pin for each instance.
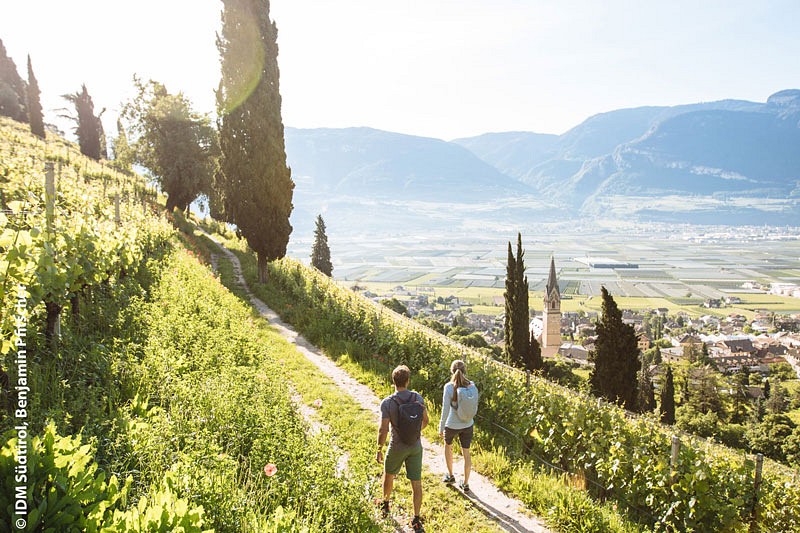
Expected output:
(385, 509)
(416, 525)
(448, 478)
(463, 486)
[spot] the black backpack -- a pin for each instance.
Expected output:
(409, 419)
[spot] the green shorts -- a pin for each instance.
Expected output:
(412, 457)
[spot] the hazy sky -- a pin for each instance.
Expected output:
(441, 68)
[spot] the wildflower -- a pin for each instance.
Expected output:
(318, 403)
(270, 470)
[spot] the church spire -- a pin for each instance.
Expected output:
(552, 282)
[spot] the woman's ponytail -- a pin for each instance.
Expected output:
(459, 378)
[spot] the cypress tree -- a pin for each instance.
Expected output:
(35, 116)
(255, 185)
(13, 94)
(510, 295)
(646, 400)
(320, 253)
(616, 357)
(521, 326)
(668, 398)
(518, 350)
(87, 125)
(534, 360)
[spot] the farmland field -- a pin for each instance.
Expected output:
(677, 269)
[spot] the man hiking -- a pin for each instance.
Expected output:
(405, 411)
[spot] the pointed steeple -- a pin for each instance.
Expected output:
(552, 282)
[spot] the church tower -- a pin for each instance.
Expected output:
(551, 317)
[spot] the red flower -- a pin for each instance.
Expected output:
(270, 470)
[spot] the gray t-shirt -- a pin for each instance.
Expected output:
(389, 410)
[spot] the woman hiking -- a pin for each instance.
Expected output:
(459, 405)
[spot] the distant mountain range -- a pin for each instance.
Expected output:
(728, 162)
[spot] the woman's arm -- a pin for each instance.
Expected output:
(447, 396)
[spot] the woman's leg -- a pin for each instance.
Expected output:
(448, 458)
(467, 464)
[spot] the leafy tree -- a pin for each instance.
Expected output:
(35, 116)
(667, 407)
(396, 305)
(691, 420)
(561, 372)
(616, 357)
(123, 151)
(435, 325)
(254, 185)
(88, 127)
(769, 436)
(320, 253)
(791, 448)
(12, 88)
(177, 145)
(766, 389)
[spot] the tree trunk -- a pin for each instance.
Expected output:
(51, 331)
(263, 273)
(171, 203)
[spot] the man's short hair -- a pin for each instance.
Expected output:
(400, 376)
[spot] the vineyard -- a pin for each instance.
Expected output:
(140, 390)
(694, 486)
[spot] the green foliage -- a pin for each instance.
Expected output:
(123, 152)
(782, 371)
(395, 305)
(35, 116)
(320, 253)
(616, 357)
(255, 185)
(770, 436)
(68, 492)
(178, 146)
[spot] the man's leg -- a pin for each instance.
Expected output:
(416, 488)
(448, 458)
(388, 485)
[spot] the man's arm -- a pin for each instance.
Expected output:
(383, 431)
(424, 415)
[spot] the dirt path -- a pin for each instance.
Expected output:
(508, 512)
